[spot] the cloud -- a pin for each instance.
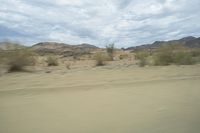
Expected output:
(125, 22)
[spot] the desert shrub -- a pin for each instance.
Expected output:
(2, 58)
(163, 56)
(142, 62)
(163, 59)
(100, 59)
(76, 57)
(195, 52)
(173, 55)
(123, 56)
(183, 58)
(142, 57)
(110, 48)
(68, 65)
(169, 54)
(196, 59)
(52, 61)
(17, 59)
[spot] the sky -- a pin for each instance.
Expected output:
(98, 22)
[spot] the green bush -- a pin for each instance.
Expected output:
(183, 58)
(168, 54)
(163, 56)
(162, 59)
(52, 61)
(173, 55)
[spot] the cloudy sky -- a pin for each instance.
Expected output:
(123, 22)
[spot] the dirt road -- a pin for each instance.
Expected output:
(101, 100)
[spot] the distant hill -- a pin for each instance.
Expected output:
(62, 48)
(190, 42)
(10, 46)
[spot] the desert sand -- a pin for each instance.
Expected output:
(102, 100)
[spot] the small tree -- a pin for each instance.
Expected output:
(110, 49)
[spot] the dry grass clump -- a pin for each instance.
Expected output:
(100, 58)
(52, 61)
(68, 65)
(123, 56)
(17, 60)
(142, 57)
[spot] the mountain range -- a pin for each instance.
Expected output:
(62, 48)
(190, 42)
(67, 49)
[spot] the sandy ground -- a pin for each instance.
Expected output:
(102, 100)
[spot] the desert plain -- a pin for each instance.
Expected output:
(131, 99)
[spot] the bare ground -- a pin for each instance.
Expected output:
(102, 100)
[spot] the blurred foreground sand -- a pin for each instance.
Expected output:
(100, 100)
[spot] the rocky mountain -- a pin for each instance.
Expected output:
(62, 48)
(190, 42)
